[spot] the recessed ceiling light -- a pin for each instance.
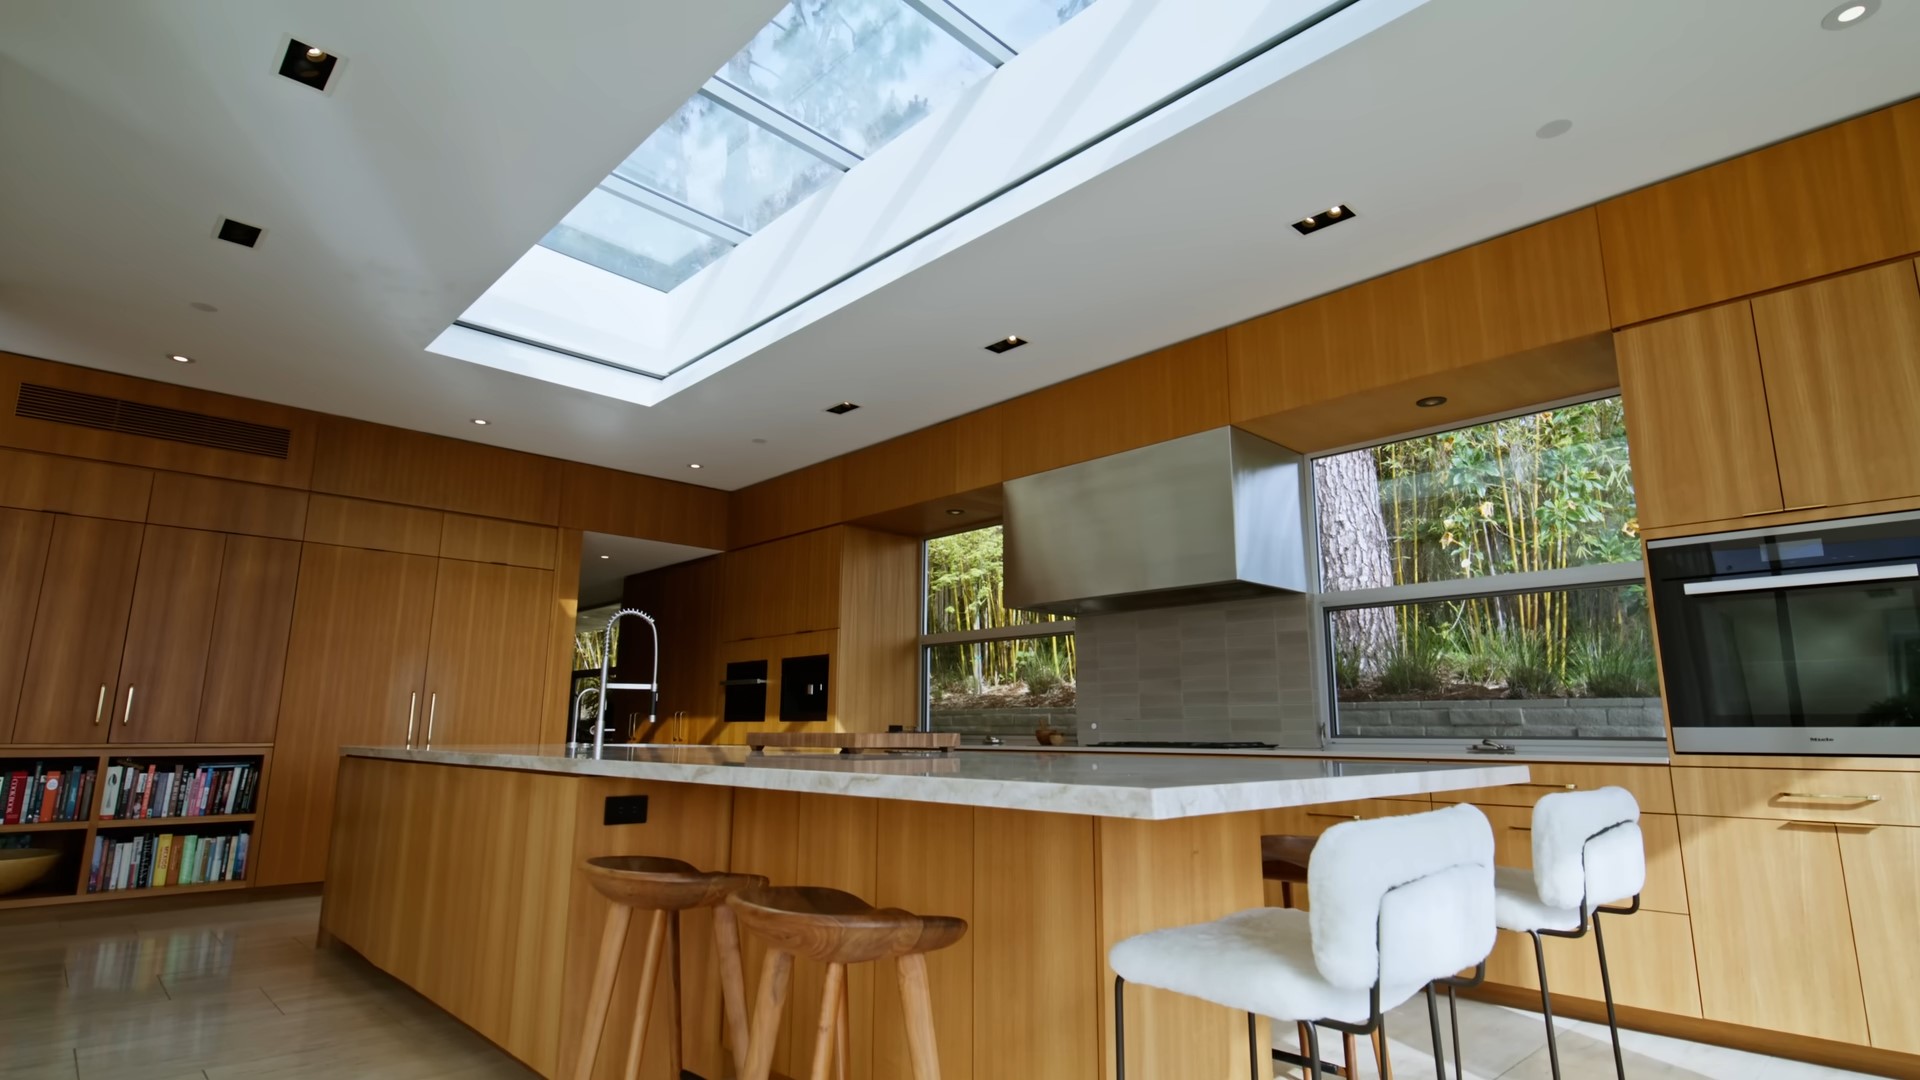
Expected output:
(238, 232)
(759, 442)
(308, 65)
(1330, 216)
(955, 512)
(482, 423)
(1849, 13)
(1553, 129)
(1430, 402)
(316, 54)
(693, 465)
(606, 556)
(178, 359)
(1011, 341)
(842, 409)
(202, 305)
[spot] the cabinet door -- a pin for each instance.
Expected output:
(486, 667)
(1842, 364)
(1697, 417)
(355, 658)
(23, 559)
(73, 664)
(1771, 931)
(248, 655)
(164, 664)
(1883, 878)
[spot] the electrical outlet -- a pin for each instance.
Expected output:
(626, 810)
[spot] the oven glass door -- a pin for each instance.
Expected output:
(1834, 648)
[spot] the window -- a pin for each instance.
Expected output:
(1486, 582)
(990, 670)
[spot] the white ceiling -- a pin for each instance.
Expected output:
(460, 130)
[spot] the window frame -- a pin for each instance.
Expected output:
(1323, 604)
(927, 642)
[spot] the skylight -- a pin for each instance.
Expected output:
(818, 89)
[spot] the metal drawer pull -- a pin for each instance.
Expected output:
(128, 718)
(413, 706)
(433, 706)
(100, 707)
(1823, 795)
(1521, 828)
(1556, 787)
(1342, 817)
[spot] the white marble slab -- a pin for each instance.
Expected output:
(1148, 787)
(1653, 753)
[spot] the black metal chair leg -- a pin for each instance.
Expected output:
(1606, 987)
(1433, 1022)
(1546, 1003)
(1119, 1028)
(1314, 1070)
(1453, 1013)
(1253, 1047)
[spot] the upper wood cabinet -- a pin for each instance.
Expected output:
(490, 540)
(370, 461)
(1842, 365)
(71, 486)
(202, 502)
(73, 663)
(1697, 423)
(783, 587)
(24, 536)
(247, 653)
(626, 504)
(487, 657)
(1175, 391)
(381, 526)
(163, 665)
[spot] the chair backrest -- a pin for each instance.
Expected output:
(1401, 901)
(1587, 848)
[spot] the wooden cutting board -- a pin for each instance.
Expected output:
(853, 742)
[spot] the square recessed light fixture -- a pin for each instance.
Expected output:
(308, 65)
(842, 409)
(1011, 341)
(238, 232)
(1333, 215)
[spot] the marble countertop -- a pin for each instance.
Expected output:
(1653, 754)
(1148, 787)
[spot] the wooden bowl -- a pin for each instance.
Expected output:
(21, 867)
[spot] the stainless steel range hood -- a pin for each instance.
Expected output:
(1212, 516)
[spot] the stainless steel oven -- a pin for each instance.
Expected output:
(1803, 639)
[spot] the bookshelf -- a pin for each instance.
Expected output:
(75, 839)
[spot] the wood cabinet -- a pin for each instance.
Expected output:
(163, 664)
(356, 661)
(24, 536)
(788, 586)
(685, 599)
(486, 662)
(1883, 879)
(73, 663)
(247, 653)
(1771, 931)
(1697, 423)
(1842, 364)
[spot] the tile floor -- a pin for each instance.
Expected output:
(238, 992)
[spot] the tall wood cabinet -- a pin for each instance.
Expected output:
(163, 664)
(486, 661)
(80, 622)
(24, 536)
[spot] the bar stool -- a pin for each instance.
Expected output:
(1587, 853)
(665, 887)
(1283, 859)
(1400, 902)
(838, 928)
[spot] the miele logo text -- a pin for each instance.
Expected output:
(1819, 738)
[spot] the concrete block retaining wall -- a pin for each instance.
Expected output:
(1533, 718)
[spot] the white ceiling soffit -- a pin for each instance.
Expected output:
(461, 130)
(606, 561)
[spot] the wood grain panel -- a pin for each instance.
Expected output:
(924, 856)
(163, 664)
(1697, 419)
(1163, 395)
(78, 630)
(1650, 785)
(203, 502)
(1515, 293)
(370, 461)
(563, 609)
(1314, 820)
(487, 664)
(917, 466)
(835, 846)
(766, 841)
(879, 617)
(1783, 795)
(1760, 221)
(1037, 991)
(356, 657)
(380, 526)
(490, 540)
(1841, 359)
(1771, 933)
(24, 536)
(1883, 878)
(247, 652)
(71, 486)
(594, 499)
(794, 502)
(783, 587)
(686, 600)
(1649, 956)
(82, 442)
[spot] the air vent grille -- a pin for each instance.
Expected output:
(59, 406)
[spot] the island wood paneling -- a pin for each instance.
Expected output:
(1163, 395)
(163, 663)
(370, 461)
(1765, 219)
(765, 840)
(927, 879)
(24, 536)
(1841, 359)
(594, 499)
(794, 502)
(1650, 785)
(78, 629)
(228, 506)
(247, 651)
(490, 540)
(380, 526)
(1649, 957)
(1698, 428)
(70, 486)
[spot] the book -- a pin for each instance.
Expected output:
(161, 860)
(86, 796)
(99, 854)
(49, 798)
(191, 863)
(110, 794)
(16, 792)
(240, 860)
(146, 792)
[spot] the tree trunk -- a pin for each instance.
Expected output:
(1355, 553)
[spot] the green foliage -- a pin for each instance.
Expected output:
(965, 591)
(1346, 666)
(1416, 666)
(1526, 663)
(1621, 667)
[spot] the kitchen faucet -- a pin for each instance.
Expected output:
(652, 685)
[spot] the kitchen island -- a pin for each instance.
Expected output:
(455, 871)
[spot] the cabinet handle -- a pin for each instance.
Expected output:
(1342, 817)
(413, 706)
(127, 717)
(433, 705)
(100, 707)
(1556, 787)
(1521, 828)
(1823, 795)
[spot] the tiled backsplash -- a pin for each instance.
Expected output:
(1241, 670)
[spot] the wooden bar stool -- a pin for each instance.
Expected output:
(665, 887)
(1284, 858)
(838, 928)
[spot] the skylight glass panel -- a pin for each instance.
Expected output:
(858, 71)
(617, 236)
(720, 164)
(1020, 23)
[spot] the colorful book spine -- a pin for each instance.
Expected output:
(93, 871)
(16, 796)
(162, 860)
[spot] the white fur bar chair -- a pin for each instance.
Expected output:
(1587, 853)
(1397, 903)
